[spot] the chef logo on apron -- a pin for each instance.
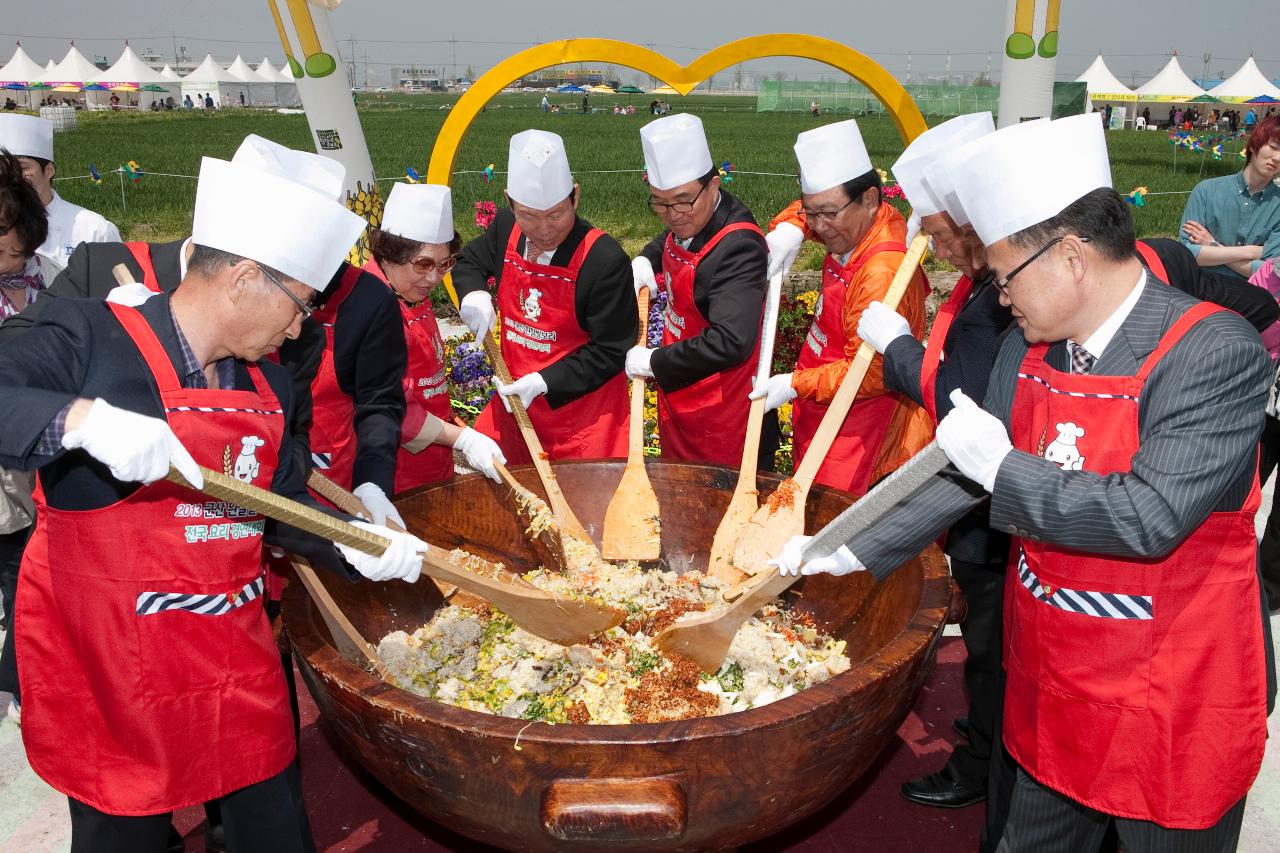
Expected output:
(530, 305)
(246, 465)
(1062, 451)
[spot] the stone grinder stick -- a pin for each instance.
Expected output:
(632, 530)
(546, 544)
(782, 515)
(706, 637)
(567, 621)
(745, 500)
(569, 524)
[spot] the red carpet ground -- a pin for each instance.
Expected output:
(351, 812)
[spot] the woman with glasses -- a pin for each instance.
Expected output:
(412, 252)
(568, 311)
(841, 205)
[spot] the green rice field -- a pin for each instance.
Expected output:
(604, 151)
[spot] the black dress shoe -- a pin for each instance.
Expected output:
(944, 789)
(961, 726)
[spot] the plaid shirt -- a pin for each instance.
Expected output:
(191, 375)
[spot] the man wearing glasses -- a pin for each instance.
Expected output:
(568, 311)
(865, 237)
(142, 633)
(1118, 448)
(713, 256)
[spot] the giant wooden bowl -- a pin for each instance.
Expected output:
(691, 785)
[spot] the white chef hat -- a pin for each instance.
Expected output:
(830, 155)
(909, 170)
(675, 150)
(26, 136)
(939, 176)
(422, 212)
(1023, 174)
(538, 170)
(323, 174)
(259, 215)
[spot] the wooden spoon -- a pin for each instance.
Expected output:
(584, 552)
(539, 525)
(566, 621)
(782, 515)
(745, 500)
(706, 637)
(632, 530)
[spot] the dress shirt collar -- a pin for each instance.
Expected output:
(1097, 342)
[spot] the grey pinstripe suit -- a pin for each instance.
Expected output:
(1200, 416)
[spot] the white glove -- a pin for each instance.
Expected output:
(476, 311)
(402, 560)
(642, 276)
(638, 366)
(137, 448)
(375, 500)
(913, 227)
(481, 452)
(776, 390)
(528, 388)
(784, 244)
(975, 440)
(842, 562)
(879, 325)
(132, 295)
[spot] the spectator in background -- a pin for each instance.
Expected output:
(1106, 117)
(1232, 224)
(814, 109)
(1146, 115)
(1177, 118)
(208, 101)
(242, 99)
(586, 108)
(186, 102)
(545, 105)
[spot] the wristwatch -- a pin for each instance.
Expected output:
(1214, 243)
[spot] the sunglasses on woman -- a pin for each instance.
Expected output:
(426, 266)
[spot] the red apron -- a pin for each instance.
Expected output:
(856, 448)
(1136, 686)
(540, 327)
(933, 354)
(150, 679)
(333, 435)
(426, 391)
(142, 254)
(705, 421)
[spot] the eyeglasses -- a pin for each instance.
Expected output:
(1002, 283)
(677, 206)
(303, 307)
(426, 266)
(816, 216)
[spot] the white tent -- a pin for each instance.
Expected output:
(1171, 85)
(1102, 85)
(1245, 85)
(169, 74)
(20, 69)
(129, 70)
(258, 91)
(74, 69)
(210, 78)
(286, 88)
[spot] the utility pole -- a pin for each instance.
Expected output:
(175, 52)
(351, 62)
(908, 66)
(453, 42)
(948, 68)
(1204, 79)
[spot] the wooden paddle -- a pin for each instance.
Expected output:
(782, 515)
(745, 500)
(706, 637)
(585, 552)
(632, 529)
(539, 525)
(566, 621)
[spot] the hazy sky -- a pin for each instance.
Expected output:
(1135, 37)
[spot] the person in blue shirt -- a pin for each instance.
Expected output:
(1232, 224)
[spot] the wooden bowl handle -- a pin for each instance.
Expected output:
(603, 810)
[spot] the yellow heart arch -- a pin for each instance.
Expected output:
(682, 78)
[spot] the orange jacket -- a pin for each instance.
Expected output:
(911, 428)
